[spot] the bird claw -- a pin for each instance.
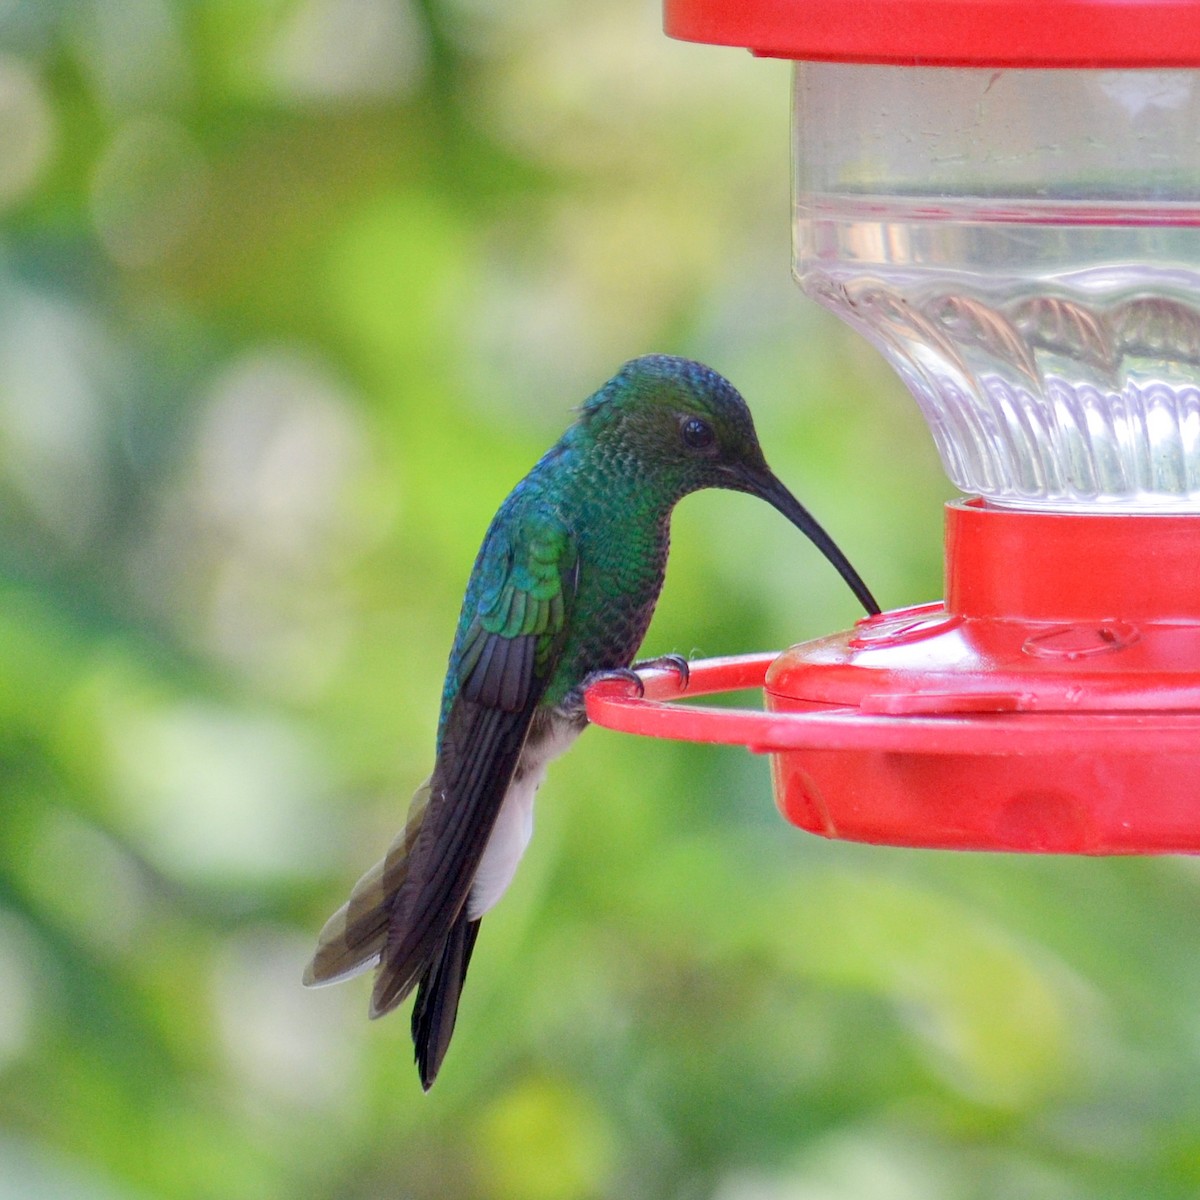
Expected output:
(630, 677)
(626, 675)
(676, 662)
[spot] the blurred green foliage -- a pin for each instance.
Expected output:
(291, 292)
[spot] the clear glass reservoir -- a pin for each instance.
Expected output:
(1024, 248)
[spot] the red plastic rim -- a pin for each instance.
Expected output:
(999, 33)
(615, 704)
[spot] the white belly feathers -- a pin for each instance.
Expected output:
(514, 823)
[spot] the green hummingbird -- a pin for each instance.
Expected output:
(561, 593)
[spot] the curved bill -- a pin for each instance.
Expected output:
(769, 488)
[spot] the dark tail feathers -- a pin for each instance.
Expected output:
(437, 998)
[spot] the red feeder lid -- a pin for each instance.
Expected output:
(979, 33)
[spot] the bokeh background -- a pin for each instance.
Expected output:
(291, 292)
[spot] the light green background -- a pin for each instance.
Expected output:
(291, 292)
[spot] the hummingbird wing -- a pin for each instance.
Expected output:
(408, 913)
(508, 647)
(510, 638)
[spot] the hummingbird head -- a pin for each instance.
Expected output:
(682, 427)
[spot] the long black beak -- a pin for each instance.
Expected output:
(769, 488)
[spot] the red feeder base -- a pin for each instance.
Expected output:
(1051, 705)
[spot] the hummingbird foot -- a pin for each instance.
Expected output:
(676, 662)
(629, 676)
(573, 707)
(626, 675)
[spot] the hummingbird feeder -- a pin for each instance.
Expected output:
(1004, 197)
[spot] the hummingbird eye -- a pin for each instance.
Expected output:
(697, 434)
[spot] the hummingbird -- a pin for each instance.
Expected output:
(560, 595)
